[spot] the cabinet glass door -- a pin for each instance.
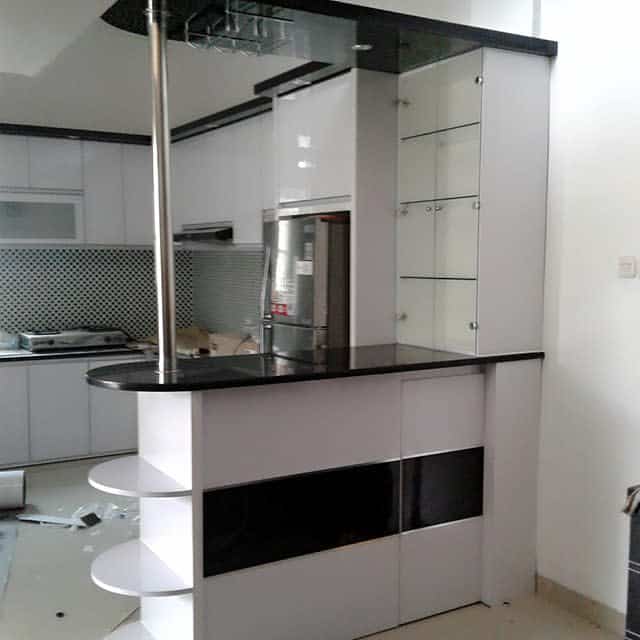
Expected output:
(456, 238)
(459, 94)
(416, 305)
(454, 315)
(417, 108)
(458, 162)
(417, 169)
(416, 240)
(40, 218)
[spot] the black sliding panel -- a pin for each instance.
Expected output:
(441, 488)
(250, 525)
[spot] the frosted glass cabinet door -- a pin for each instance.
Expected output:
(458, 162)
(417, 169)
(416, 240)
(418, 109)
(456, 238)
(416, 300)
(455, 309)
(14, 161)
(459, 95)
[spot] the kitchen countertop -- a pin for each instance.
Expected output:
(19, 355)
(251, 370)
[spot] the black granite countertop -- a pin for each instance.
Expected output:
(22, 355)
(251, 370)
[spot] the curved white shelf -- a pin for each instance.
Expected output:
(135, 477)
(132, 569)
(131, 631)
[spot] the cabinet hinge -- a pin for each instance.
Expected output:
(479, 79)
(401, 317)
(402, 211)
(473, 326)
(401, 102)
(476, 204)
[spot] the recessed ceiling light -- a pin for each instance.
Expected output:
(362, 47)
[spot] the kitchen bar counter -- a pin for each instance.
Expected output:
(253, 370)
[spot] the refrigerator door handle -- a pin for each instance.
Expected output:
(264, 317)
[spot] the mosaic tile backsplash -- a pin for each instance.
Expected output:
(56, 288)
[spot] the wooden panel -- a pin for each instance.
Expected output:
(14, 415)
(440, 569)
(59, 410)
(440, 414)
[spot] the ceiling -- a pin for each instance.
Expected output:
(97, 77)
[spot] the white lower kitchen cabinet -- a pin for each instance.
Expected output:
(114, 418)
(59, 410)
(440, 569)
(14, 415)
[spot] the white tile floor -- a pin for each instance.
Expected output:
(50, 573)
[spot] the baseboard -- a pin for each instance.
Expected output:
(596, 612)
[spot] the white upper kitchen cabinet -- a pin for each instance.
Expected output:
(55, 163)
(59, 410)
(103, 193)
(114, 417)
(315, 138)
(138, 194)
(14, 415)
(441, 96)
(14, 161)
(472, 192)
(267, 149)
(248, 177)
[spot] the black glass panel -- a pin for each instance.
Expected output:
(442, 488)
(633, 604)
(634, 548)
(254, 524)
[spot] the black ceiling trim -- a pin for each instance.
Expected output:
(242, 111)
(72, 134)
(289, 76)
(484, 37)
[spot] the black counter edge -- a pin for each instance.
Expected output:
(90, 355)
(307, 377)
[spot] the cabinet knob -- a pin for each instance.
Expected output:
(439, 207)
(473, 326)
(428, 209)
(401, 317)
(402, 102)
(403, 211)
(479, 79)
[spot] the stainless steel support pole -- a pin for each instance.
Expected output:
(161, 142)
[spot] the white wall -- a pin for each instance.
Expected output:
(591, 402)
(516, 16)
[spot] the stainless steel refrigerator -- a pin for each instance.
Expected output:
(305, 292)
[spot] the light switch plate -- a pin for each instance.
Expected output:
(627, 267)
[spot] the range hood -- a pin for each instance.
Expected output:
(206, 233)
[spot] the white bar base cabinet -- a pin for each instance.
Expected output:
(280, 504)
